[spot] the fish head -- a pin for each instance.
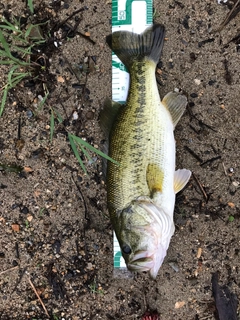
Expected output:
(144, 234)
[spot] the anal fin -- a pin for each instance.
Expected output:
(181, 178)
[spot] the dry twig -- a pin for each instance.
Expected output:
(40, 300)
(200, 186)
(224, 168)
(232, 14)
(10, 269)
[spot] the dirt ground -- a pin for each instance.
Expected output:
(54, 227)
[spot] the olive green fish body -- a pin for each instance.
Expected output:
(142, 133)
(141, 189)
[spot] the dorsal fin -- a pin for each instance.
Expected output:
(176, 105)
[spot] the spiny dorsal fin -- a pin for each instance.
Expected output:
(181, 178)
(176, 105)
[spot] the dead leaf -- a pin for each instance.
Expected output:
(37, 193)
(2, 220)
(15, 227)
(60, 79)
(199, 252)
(231, 205)
(179, 304)
(27, 169)
(19, 143)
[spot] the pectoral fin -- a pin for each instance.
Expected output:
(154, 177)
(176, 105)
(181, 178)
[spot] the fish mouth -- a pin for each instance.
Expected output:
(142, 261)
(145, 261)
(159, 233)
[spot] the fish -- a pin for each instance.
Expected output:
(142, 183)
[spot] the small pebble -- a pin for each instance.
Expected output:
(192, 56)
(89, 115)
(29, 218)
(193, 95)
(174, 266)
(236, 184)
(75, 115)
(24, 210)
(197, 81)
(211, 82)
(29, 113)
(14, 263)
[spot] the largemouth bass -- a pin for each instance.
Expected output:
(141, 189)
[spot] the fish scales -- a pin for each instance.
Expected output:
(138, 139)
(141, 188)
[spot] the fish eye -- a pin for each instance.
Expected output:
(126, 249)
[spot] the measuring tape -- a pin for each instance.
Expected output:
(135, 16)
(130, 15)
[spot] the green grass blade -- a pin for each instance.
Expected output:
(75, 151)
(18, 79)
(30, 6)
(10, 74)
(28, 31)
(19, 39)
(43, 101)
(5, 45)
(7, 52)
(12, 25)
(51, 125)
(4, 98)
(9, 27)
(23, 50)
(59, 117)
(4, 62)
(86, 154)
(90, 147)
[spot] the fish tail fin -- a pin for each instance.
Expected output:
(131, 47)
